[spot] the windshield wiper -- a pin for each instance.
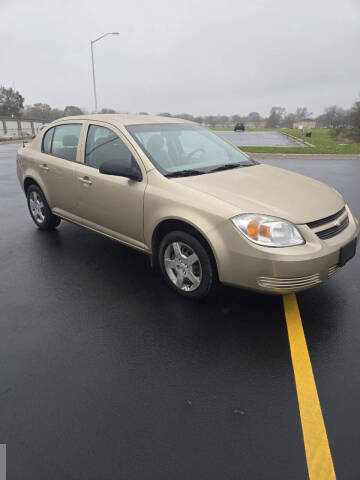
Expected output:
(228, 166)
(184, 173)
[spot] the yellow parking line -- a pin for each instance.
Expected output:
(318, 456)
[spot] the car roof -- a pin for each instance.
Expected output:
(122, 119)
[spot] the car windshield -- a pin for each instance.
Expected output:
(179, 149)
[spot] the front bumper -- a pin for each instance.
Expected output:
(279, 270)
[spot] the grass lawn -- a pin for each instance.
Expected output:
(321, 139)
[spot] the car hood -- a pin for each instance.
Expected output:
(269, 190)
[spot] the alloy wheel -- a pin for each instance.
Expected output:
(37, 207)
(183, 266)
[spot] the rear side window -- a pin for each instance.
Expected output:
(62, 141)
(47, 140)
(65, 141)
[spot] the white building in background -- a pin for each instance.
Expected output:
(307, 124)
(17, 127)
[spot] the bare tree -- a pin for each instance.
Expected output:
(39, 111)
(302, 113)
(254, 117)
(236, 118)
(354, 120)
(288, 120)
(56, 113)
(334, 117)
(275, 117)
(355, 115)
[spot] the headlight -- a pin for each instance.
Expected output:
(268, 231)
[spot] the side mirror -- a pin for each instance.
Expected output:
(114, 167)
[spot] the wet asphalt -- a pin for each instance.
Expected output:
(259, 139)
(106, 373)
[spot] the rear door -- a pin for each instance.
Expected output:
(59, 154)
(111, 204)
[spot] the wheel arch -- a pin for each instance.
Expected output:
(172, 224)
(31, 180)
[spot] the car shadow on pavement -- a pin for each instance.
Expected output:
(110, 274)
(82, 266)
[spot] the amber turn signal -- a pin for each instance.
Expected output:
(253, 229)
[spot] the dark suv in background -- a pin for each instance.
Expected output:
(239, 127)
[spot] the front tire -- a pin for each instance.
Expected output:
(186, 265)
(39, 209)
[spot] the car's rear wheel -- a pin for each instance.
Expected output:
(39, 209)
(186, 265)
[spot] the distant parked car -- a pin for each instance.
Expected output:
(239, 127)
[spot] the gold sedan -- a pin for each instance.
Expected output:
(202, 209)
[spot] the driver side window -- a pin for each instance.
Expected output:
(103, 144)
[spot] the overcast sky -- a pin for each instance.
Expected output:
(196, 56)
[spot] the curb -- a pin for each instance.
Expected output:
(299, 140)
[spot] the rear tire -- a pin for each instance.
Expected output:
(186, 265)
(39, 209)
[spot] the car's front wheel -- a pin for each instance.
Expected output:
(186, 265)
(39, 209)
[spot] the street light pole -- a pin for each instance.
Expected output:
(93, 64)
(93, 74)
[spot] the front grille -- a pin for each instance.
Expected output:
(332, 231)
(289, 283)
(323, 221)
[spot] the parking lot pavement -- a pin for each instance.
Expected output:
(106, 373)
(259, 139)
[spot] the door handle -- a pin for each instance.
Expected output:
(43, 166)
(85, 180)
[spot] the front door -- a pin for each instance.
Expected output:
(112, 204)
